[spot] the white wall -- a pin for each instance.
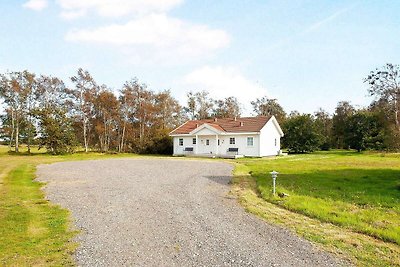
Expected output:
(241, 143)
(202, 148)
(268, 135)
(187, 142)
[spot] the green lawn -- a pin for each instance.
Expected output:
(348, 203)
(357, 192)
(33, 231)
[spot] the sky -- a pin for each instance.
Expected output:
(306, 54)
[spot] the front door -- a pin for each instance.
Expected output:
(207, 145)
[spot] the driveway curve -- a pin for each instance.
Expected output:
(167, 212)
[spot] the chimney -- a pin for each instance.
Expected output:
(197, 125)
(215, 119)
(235, 118)
(241, 124)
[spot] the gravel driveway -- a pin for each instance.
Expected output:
(167, 212)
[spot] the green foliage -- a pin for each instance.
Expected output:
(162, 145)
(363, 130)
(226, 108)
(56, 131)
(269, 107)
(301, 134)
(323, 126)
(384, 84)
(343, 110)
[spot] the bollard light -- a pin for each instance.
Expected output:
(274, 174)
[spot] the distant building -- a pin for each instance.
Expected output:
(250, 136)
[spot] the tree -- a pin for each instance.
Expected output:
(384, 110)
(30, 84)
(105, 121)
(16, 89)
(199, 105)
(301, 135)
(268, 107)
(226, 108)
(56, 132)
(363, 130)
(343, 110)
(139, 103)
(384, 83)
(168, 111)
(85, 90)
(323, 125)
(191, 106)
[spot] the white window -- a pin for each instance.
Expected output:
(250, 141)
(232, 140)
(207, 142)
(194, 141)
(180, 141)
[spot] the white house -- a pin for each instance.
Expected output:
(251, 136)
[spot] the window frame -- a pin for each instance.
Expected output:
(194, 142)
(252, 141)
(232, 140)
(207, 142)
(180, 141)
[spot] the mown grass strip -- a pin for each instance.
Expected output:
(33, 232)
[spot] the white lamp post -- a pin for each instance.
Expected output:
(274, 174)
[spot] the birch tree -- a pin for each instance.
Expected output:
(16, 89)
(85, 89)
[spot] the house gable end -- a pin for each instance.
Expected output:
(205, 129)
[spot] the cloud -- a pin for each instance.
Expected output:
(156, 35)
(36, 5)
(223, 82)
(114, 8)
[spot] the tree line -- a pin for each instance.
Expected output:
(376, 127)
(42, 110)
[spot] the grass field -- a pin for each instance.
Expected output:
(356, 194)
(347, 203)
(33, 232)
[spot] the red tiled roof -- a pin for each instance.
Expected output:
(247, 124)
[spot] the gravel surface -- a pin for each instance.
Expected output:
(167, 212)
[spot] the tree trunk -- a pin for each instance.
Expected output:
(29, 136)
(13, 129)
(29, 126)
(396, 113)
(121, 147)
(85, 135)
(17, 136)
(105, 148)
